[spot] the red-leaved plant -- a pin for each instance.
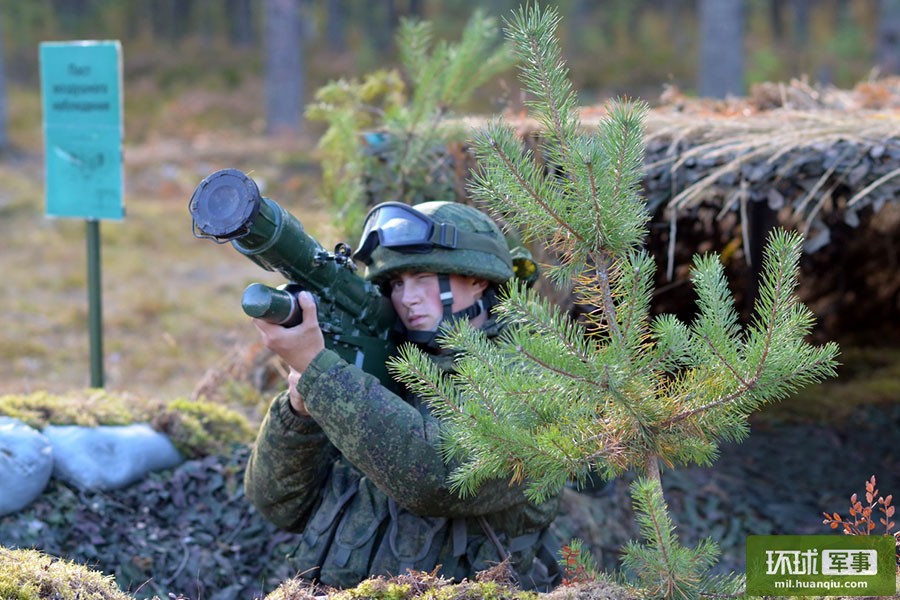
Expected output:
(577, 563)
(861, 520)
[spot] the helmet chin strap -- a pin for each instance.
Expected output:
(426, 339)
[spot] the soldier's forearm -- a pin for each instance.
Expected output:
(289, 462)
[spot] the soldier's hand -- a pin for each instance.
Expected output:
(294, 394)
(299, 345)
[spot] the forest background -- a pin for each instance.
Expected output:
(204, 89)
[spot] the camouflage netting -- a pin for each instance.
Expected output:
(189, 531)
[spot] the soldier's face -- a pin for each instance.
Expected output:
(417, 298)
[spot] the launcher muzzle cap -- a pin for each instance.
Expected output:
(224, 205)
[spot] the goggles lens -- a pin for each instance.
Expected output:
(395, 225)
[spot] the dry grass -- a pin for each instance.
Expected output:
(171, 303)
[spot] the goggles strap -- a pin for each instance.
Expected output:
(448, 236)
(446, 295)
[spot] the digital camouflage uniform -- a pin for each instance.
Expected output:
(364, 482)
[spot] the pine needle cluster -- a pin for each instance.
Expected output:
(388, 133)
(555, 400)
(665, 568)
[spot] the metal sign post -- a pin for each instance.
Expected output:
(95, 302)
(81, 91)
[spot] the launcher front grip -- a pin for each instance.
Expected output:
(355, 317)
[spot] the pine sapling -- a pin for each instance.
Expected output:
(554, 399)
(388, 134)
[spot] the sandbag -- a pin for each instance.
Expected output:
(26, 464)
(109, 457)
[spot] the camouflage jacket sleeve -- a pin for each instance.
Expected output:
(392, 442)
(288, 465)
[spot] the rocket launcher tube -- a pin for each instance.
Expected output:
(355, 317)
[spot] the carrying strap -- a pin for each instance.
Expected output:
(311, 534)
(516, 544)
(409, 561)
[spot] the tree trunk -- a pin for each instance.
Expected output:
(163, 20)
(4, 134)
(800, 8)
(335, 26)
(678, 32)
(721, 48)
(240, 18)
(887, 49)
(283, 67)
(776, 20)
(382, 17)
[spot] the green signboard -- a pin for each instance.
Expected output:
(82, 100)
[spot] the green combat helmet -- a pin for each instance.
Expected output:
(440, 237)
(446, 238)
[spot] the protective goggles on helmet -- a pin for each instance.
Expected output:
(402, 228)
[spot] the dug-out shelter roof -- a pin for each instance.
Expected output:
(719, 175)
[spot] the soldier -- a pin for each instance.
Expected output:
(355, 467)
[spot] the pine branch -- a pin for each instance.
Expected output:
(781, 263)
(664, 566)
(595, 198)
(671, 338)
(423, 377)
(546, 76)
(414, 40)
(474, 60)
(725, 362)
(556, 371)
(497, 146)
(717, 325)
(603, 262)
(535, 320)
(621, 139)
(702, 409)
(654, 523)
(634, 293)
